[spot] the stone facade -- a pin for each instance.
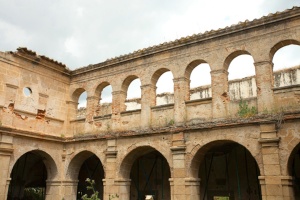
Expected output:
(174, 146)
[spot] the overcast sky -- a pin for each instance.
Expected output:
(79, 33)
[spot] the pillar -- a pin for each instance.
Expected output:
(273, 184)
(177, 182)
(192, 188)
(181, 87)
(148, 100)
(117, 106)
(68, 189)
(110, 172)
(220, 96)
(264, 84)
(6, 150)
(71, 115)
(124, 188)
(92, 103)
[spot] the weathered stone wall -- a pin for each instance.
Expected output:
(181, 127)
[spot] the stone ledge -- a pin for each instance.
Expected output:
(163, 107)
(289, 88)
(131, 112)
(199, 101)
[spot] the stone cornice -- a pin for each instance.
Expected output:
(196, 38)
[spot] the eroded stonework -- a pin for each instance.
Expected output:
(192, 144)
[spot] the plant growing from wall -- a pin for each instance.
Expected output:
(90, 186)
(245, 111)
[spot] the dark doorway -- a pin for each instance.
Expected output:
(150, 175)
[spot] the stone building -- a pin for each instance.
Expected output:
(238, 139)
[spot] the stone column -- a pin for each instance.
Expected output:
(68, 189)
(177, 182)
(273, 184)
(72, 111)
(264, 84)
(117, 106)
(6, 150)
(181, 87)
(192, 188)
(110, 172)
(124, 188)
(92, 103)
(148, 100)
(220, 96)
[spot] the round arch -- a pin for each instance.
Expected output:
(77, 92)
(29, 174)
(232, 56)
(157, 74)
(127, 82)
(226, 168)
(76, 163)
(100, 87)
(281, 44)
(192, 66)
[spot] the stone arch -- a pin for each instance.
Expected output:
(31, 170)
(77, 92)
(47, 159)
(198, 152)
(221, 166)
(192, 66)
(76, 163)
(232, 56)
(127, 82)
(100, 87)
(281, 44)
(128, 160)
(157, 74)
(293, 169)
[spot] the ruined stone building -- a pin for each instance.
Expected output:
(238, 139)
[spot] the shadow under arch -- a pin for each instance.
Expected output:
(31, 170)
(281, 44)
(83, 165)
(232, 56)
(226, 169)
(149, 172)
(293, 166)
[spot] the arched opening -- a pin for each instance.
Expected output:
(241, 76)
(149, 173)
(198, 72)
(79, 96)
(294, 170)
(132, 87)
(92, 169)
(29, 175)
(227, 171)
(104, 91)
(86, 165)
(286, 66)
(163, 80)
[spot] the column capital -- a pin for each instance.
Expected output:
(122, 181)
(264, 62)
(148, 86)
(219, 71)
(192, 181)
(118, 92)
(93, 98)
(179, 79)
(72, 102)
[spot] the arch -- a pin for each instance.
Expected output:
(100, 87)
(192, 66)
(49, 162)
(226, 168)
(30, 173)
(149, 172)
(127, 82)
(199, 151)
(128, 160)
(157, 74)
(281, 44)
(75, 95)
(293, 166)
(76, 163)
(232, 56)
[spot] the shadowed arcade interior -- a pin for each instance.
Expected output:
(228, 171)
(150, 175)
